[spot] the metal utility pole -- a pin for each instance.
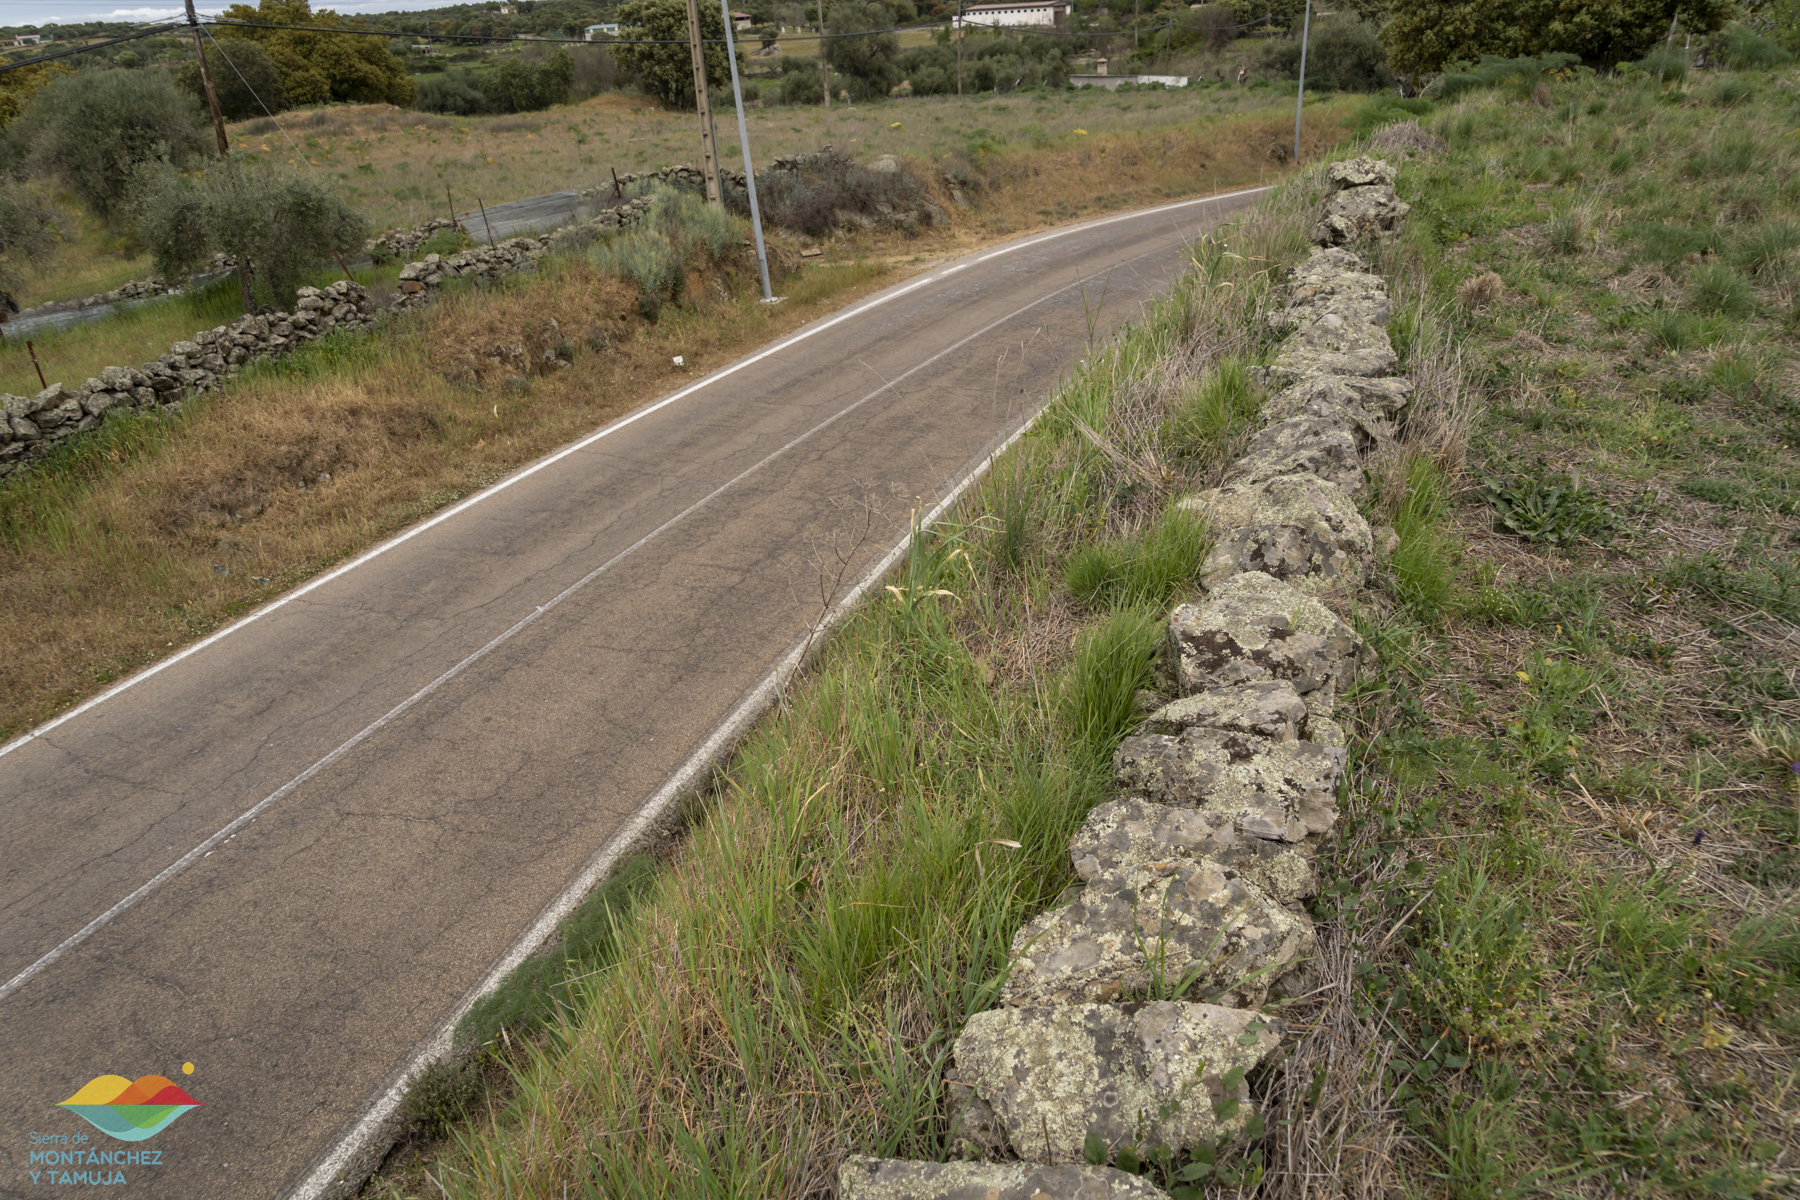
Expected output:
(212, 98)
(737, 96)
(709, 155)
(824, 70)
(1300, 101)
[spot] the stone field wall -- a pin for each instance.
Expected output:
(1194, 873)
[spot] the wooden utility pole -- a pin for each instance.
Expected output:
(824, 71)
(959, 38)
(709, 154)
(212, 98)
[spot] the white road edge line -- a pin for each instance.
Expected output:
(711, 754)
(605, 432)
(250, 814)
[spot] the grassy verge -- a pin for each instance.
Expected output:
(787, 989)
(1578, 795)
(1559, 951)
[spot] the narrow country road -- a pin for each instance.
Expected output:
(290, 854)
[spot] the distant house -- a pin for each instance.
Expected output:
(1028, 12)
(421, 48)
(507, 10)
(596, 32)
(740, 20)
(27, 39)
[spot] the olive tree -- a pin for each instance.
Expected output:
(873, 60)
(275, 222)
(1424, 36)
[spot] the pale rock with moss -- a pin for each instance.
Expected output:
(1144, 1075)
(1361, 204)
(1326, 446)
(861, 1178)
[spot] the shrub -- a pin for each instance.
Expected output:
(1717, 290)
(1667, 63)
(280, 223)
(802, 87)
(19, 85)
(530, 81)
(596, 71)
(96, 128)
(809, 201)
(1345, 55)
(1478, 291)
(1741, 47)
(244, 79)
(455, 92)
(693, 226)
(645, 257)
(1212, 25)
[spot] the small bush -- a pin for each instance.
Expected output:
(811, 200)
(1667, 63)
(1345, 55)
(530, 81)
(1741, 47)
(1569, 234)
(1717, 290)
(692, 225)
(802, 87)
(1521, 75)
(645, 257)
(245, 79)
(454, 92)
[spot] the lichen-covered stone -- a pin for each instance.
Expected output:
(1133, 830)
(1254, 627)
(1359, 172)
(1331, 344)
(1277, 790)
(1269, 709)
(1140, 1074)
(1324, 446)
(1360, 214)
(1154, 928)
(1298, 528)
(1333, 281)
(862, 1178)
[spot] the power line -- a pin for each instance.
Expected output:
(130, 37)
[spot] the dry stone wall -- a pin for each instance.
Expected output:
(37, 424)
(1194, 874)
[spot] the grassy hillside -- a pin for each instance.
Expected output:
(1560, 944)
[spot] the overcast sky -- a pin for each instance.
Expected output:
(44, 12)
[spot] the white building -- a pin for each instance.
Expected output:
(740, 20)
(27, 39)
(610, 29)
(1027, 12)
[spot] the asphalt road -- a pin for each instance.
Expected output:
(538, 214)
(290, 854)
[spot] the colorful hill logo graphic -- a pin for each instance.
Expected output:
(130, 1111)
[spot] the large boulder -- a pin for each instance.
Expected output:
(1254, 627)
(1143, 1074)
(897, 1179)
(1158, 928)
(1298, 528)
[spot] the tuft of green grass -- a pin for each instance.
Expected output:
(1223, 403)
(1151, 568)
(1716, 290)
